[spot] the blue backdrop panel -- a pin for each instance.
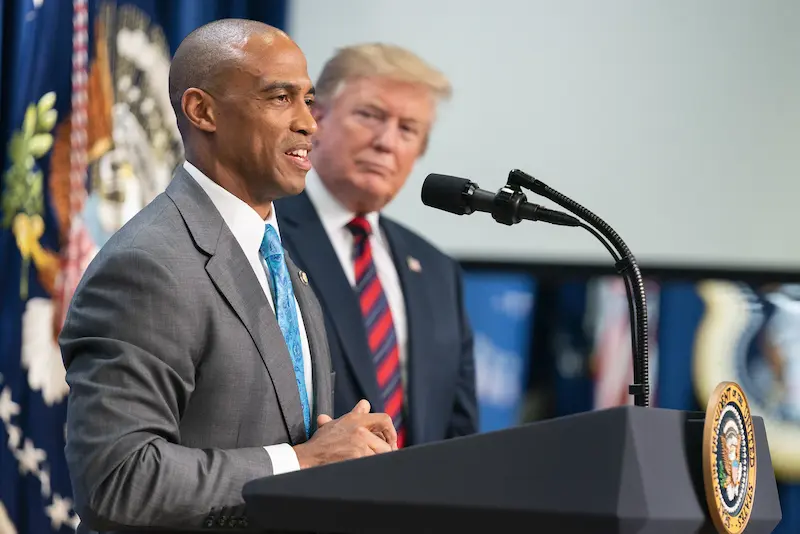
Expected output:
(500, 307)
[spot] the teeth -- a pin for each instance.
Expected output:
(299, 153)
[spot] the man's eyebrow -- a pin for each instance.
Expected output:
(286, 86)
(372, 106)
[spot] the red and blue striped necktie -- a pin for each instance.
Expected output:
(381, 335)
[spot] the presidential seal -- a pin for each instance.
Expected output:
(729, 459)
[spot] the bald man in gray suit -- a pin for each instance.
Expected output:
(195, 349)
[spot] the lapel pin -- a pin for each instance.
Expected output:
(303, 277)
(414, 265)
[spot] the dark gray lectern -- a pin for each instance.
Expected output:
(622, 470)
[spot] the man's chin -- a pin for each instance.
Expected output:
(293, 183)
(296, 187)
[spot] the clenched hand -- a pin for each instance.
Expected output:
(356, 434)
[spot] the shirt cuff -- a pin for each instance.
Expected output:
(283, 457)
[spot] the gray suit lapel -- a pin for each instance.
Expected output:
(234, 278)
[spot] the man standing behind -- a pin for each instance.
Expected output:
(195, 351)
(395, 317)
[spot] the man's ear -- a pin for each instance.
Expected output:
(198, 107)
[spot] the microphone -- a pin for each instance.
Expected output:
(508, 206)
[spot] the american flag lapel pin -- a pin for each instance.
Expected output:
(414, 264)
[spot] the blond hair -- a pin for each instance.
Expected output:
(379, 60)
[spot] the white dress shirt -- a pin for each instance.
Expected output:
(334, 219)
(248, 228)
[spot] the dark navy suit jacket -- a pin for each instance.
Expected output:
(440, 391)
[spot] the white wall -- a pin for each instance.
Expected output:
(678, 122)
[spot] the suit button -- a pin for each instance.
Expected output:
(209, 522)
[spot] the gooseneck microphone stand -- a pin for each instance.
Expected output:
(625, 264)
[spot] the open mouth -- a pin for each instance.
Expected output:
(300, 158)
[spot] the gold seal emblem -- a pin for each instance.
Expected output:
(729, 458)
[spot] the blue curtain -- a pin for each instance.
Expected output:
(179, 17)
(37, 116)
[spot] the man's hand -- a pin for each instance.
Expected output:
(356, 434)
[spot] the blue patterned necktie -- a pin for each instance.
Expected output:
(286, 311)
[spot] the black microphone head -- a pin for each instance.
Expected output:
(447, 193)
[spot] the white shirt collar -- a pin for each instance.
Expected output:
(245, 224)
(333, 215)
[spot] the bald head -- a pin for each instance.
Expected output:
(208, 52)
(242, 95)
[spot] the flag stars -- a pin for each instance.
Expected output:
(29, 458)
(59, 512)
(8, 408)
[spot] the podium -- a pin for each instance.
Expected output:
(622, 470)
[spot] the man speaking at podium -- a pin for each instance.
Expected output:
(195, 350)
(395, 317)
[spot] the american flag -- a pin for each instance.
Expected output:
(611, 358)
(70, 178)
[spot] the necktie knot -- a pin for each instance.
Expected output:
(359, 227)
(271, 247)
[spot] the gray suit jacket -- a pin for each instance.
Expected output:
(178, 372)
